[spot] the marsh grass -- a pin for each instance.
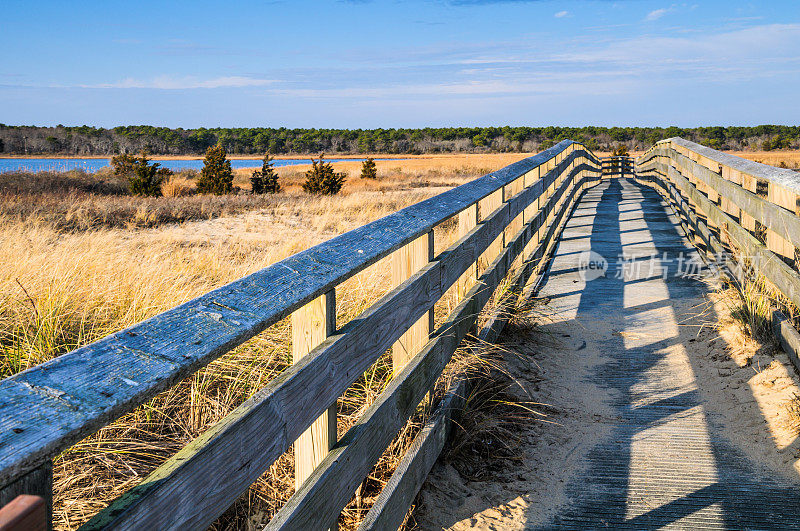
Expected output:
(80, 260)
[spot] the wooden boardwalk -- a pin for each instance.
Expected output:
(666, 462)
(659, 455)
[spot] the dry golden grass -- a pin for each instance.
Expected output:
(64, 284)
(788, 159)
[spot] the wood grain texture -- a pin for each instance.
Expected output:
(247, 441)
(485, 208)
(467, 220)
(49, 407)
(783, 277)
(390, 508)
(394, 501)
(782, 327)
(775, 213)
(329, 489)
(406, 261)
(311, 325)
(317, 504)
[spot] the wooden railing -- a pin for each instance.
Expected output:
(507, 221)
(744, 214)
(617, 166)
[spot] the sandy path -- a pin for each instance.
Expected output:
(654, 422)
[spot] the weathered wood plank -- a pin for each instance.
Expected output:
(485, 207)
(49, 407)
(391, 506)
(467, 220)
(774, 214)
(317, 504)
(782, 177)
(311, 325)
(406, 261)
(259, 429)
(772, 267)
(782, 327)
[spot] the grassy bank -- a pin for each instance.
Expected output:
(79, 260)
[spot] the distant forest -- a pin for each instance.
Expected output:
(86, 140)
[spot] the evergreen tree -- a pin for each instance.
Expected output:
(322, 180)
(265, 181)
(368, 169)
(216, 177)
(144, 179)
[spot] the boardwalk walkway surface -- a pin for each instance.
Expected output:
(655, 453)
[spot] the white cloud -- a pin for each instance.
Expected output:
(186, 82)
(561, 14)
(657, 14)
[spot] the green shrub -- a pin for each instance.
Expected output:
(124, 164)
(265, 180)
(216, 177)
(144, 179)
(368, 169)
(322, 180)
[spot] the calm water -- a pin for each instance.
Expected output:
(92, 165)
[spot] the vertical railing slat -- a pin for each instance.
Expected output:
(311, 325)
(406, 261)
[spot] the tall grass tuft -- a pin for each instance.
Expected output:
(80, 260)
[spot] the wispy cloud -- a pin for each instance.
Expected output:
(656, 14)
(561, 14)
(183, 83)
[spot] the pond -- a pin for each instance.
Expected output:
(92, 165)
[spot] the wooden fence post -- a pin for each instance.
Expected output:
(467, 220)
(311, 324)
(530, 211)
(406, 261)
(486, 206)
(776, 243)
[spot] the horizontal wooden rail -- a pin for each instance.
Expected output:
(277, 414)
(49, 407)
(783, 328)
(331, 486)
(714, 208)
(391, 507)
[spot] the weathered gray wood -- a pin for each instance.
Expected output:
(327, 491)
(696, 226)
(788, 336)
(260, 428)
(390, 508)
(787, 178)
(773, 268)
(317, 504)
(49, 407)
(780, 220)
(782, 327)
(499, 317)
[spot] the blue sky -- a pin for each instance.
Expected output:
(400, 63)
